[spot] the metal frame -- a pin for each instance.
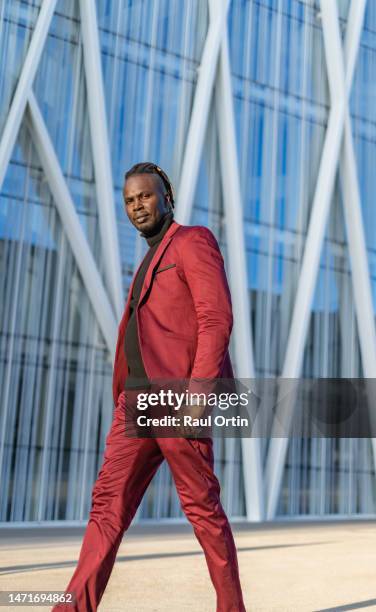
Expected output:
(101, 152)
(360, 274)
(81, 250)
(72, 226)
(217, 43)
(232, 197)
(84, 259)
(338, 117)
(200, 112)
(24, 85)
(353, 218)
(213, 73)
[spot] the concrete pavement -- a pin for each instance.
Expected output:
(284, 566)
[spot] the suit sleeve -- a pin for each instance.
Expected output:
(206, 277)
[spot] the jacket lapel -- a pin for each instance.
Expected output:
(156, 257)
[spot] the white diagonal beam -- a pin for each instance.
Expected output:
(25, 81)
(360, 274)
(199, 115)
(251, 454)
(101, 153)
(72, 227)
(353, 216)
(320, 209)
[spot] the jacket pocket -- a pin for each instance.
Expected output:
(173, 265)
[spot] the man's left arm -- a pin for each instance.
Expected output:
(206, 277)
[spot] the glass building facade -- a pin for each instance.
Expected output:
(55, 364)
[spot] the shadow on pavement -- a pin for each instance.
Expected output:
(32, 567)
(353, 606)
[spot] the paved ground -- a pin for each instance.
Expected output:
(284, 566)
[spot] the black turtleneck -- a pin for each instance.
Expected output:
(137, 377)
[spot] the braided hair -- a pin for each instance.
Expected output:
(150, 168)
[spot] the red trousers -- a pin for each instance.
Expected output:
(128, 466)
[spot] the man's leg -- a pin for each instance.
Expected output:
(128, 466)
(191, 462)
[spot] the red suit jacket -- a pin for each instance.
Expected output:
(184, 313)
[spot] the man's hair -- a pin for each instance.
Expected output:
(150, 168)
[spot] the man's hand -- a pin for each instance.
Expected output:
(196, 411)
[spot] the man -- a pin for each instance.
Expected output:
(176, 325)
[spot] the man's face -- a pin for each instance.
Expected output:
(145, 201)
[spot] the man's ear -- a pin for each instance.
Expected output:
(168, 201)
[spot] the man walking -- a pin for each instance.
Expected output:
(176, 325)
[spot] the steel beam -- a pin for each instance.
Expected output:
(24, 84)
(360, 273)
(237, 265)
(72, 227)
(353, 212)
(199, 115)
(101, 153)
(320, 209)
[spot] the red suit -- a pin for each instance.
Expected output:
(184, 321)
